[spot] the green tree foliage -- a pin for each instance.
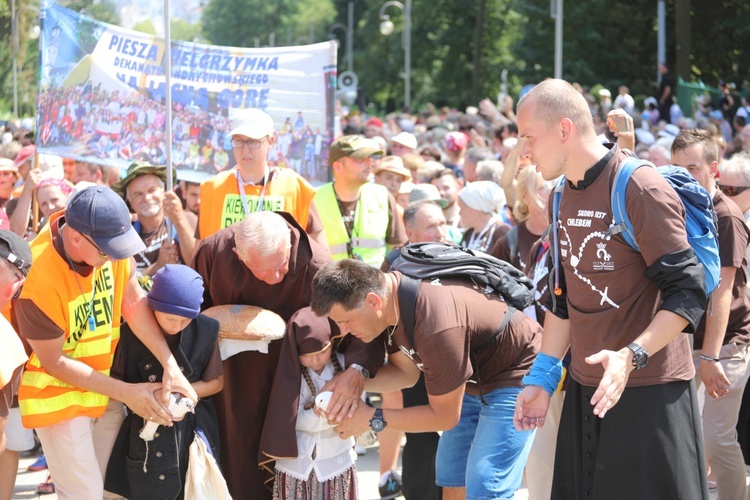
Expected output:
(239, 23)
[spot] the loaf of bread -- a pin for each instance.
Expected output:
(247, 322)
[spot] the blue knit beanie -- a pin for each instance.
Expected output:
(178, 290)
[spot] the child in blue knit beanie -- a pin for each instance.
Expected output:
(137, 468)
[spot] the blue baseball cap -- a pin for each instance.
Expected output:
(100, 213)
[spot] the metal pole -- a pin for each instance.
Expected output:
(661, 39)
(350, 39)
(558, 37)
(407, 54)
(312, 32)
(168, 104)
(14, 50)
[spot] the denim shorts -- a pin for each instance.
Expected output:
(484, 452)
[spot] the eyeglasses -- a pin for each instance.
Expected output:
(101, 253)
(250, 143)
(732, 190)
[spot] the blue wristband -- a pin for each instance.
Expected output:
(546, 372)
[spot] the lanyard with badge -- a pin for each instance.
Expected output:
(90, 310)
(267, 176)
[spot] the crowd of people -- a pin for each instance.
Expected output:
(113, 126)
(590, 391)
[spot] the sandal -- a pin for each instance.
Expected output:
(46, 488)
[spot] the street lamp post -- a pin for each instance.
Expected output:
(349, 33)
(386, 28)
(347, 48)
(14, 34)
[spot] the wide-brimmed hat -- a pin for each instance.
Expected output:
(393, 164)
(138, 168)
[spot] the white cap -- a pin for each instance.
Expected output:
(670, 130)
(645, 136)
(485, 196)
(253, 123)
(405, 139)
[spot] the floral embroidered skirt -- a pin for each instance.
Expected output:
(341, 487)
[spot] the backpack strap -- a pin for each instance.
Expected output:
(408, 290)
(513, 247)
(621, 223)
(555, 276)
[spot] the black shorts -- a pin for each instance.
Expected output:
(649, 446)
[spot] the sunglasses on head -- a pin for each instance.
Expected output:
(732, 190)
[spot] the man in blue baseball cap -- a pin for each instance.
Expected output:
(70, 311)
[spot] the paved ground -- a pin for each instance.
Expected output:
(367, 466)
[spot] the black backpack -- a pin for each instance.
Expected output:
(420, 261)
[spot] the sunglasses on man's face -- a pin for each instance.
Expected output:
(732, 190)
(101, 252)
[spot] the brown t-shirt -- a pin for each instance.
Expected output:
(526, 240)
(733, 240)
(452, 317)
(9, 391)
(487, 238)
(610, 300)
(395, 234)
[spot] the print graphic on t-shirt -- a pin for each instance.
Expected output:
(601, 253)
(410, 353)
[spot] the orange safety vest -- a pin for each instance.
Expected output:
(221, 203)
(88, 310)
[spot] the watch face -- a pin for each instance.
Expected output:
(639, 360)
(377, 425)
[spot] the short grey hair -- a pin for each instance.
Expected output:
(262, 234)
(413, 208)
(477, 154)
(738, 165)
(490, 170)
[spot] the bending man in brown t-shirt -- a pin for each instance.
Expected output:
(472, 371)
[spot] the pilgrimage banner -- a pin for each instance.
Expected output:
(102, 97)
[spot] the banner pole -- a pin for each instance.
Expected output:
(168, 105)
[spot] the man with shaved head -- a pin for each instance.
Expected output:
(630, 426)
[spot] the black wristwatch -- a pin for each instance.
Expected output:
(640, 355)
(377, 422)
(361, 369)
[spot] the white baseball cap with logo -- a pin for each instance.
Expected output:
(253, 123)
